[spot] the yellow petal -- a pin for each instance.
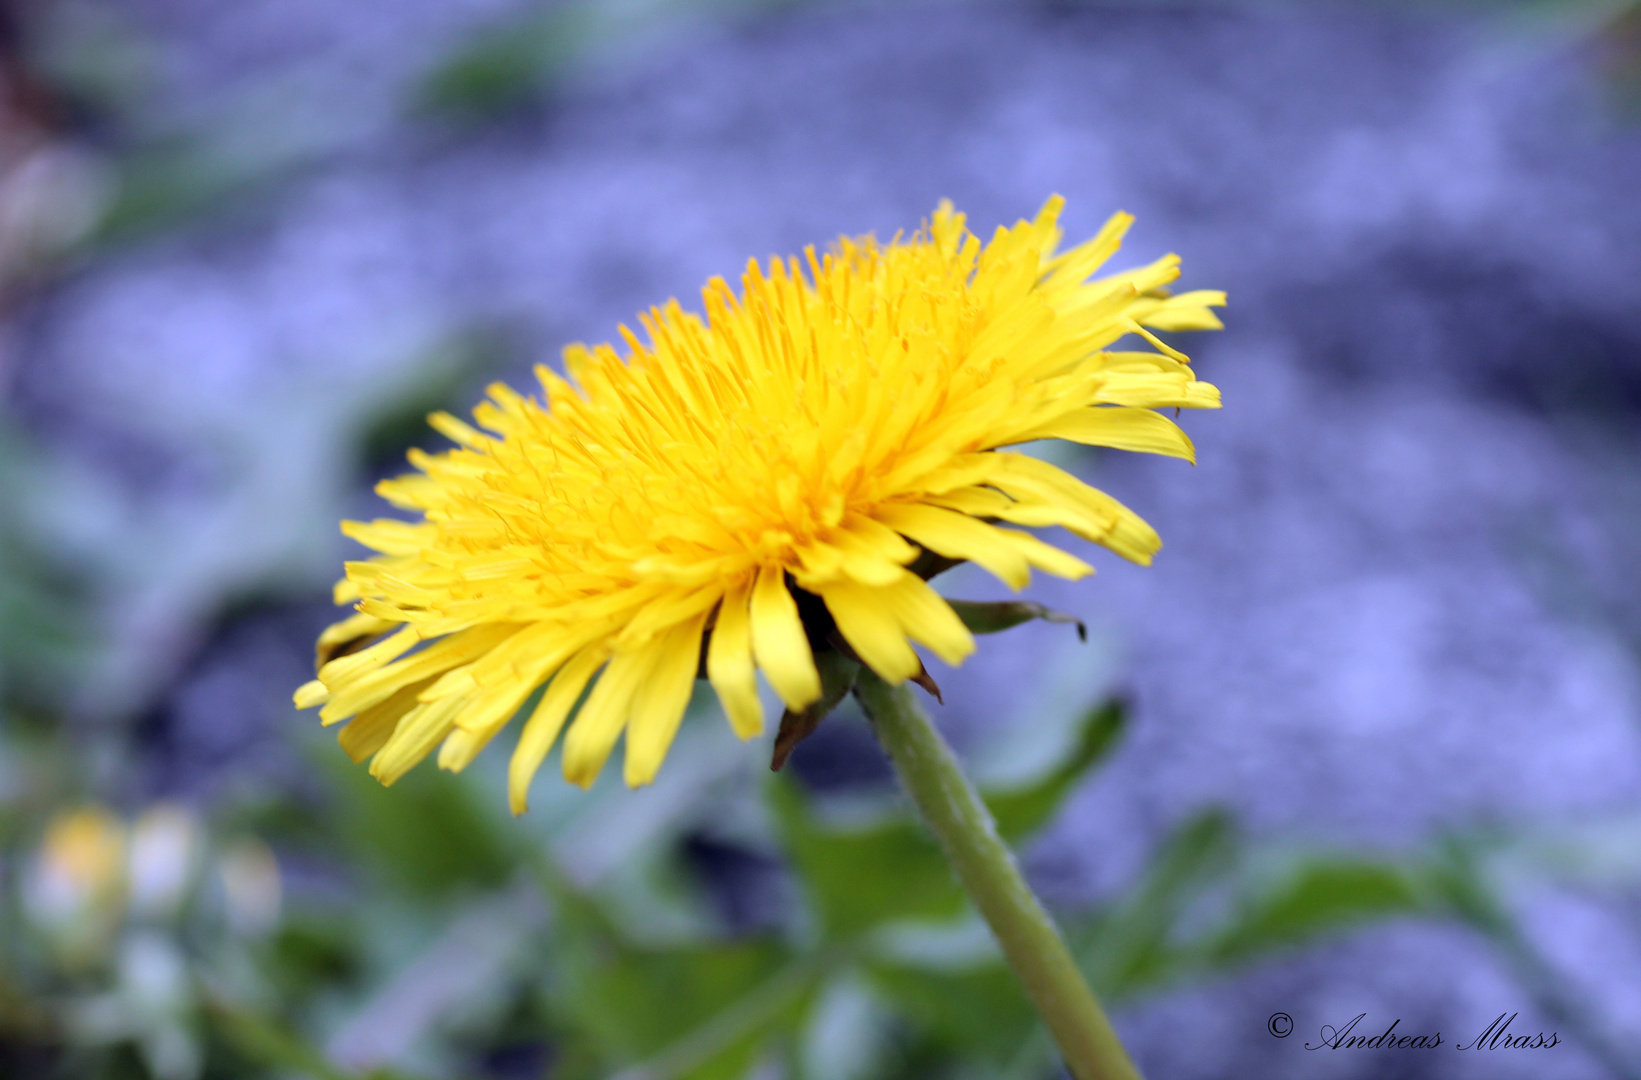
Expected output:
(534, 654)
(818, 563)
(604, 715)
(369, 731)
(391, 536)
(1046, 557)
(730, 667)
(456, 431)
(439, 656)
(872, 629)
(310, 694)
(958, 536)
(1157, 391)
(1086, 511)
(351, 629)
(873, 554)
(659, 705)
(1187, 311)
(779, 642)
(929, 619)
(1078, 264)
(975, 501)
(541, 646)
(663, 614)
(1119, 427)
(541, 730)
(459, 749)
(417, 733)
(986, 502)
(490, 708)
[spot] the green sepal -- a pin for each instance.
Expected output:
(837, 673)
(992, 617)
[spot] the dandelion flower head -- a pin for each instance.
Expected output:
(710, 495)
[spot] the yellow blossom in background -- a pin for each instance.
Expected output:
(743, 477)
(76, 888)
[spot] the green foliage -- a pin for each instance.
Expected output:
(261, 1040)
(43, 624)
(974, 1014)
(862, 877)
(1021, 811)
(859, 878)
(518, 59)
(880, 911)
(635, 1003)
(428, 835)
(1319, 895)
(453, 925)
(451, 371)
(168, 184)
(502, 67)
(1132, 945)
(311, 951)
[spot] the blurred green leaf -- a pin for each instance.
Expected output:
(1317, 895)
(507, 65)
(1619, 44)
(1022, 811)
(516, 59)
(268, 1043)
(448, 371)
(848, 1031)
(859, 878)
(1602, 852)
(1460, 880)
(161, 186)
(430, 835)
(1130, 945)
(310, 952)
(635, 1003)
(44, 602)
(1465, 880)
(168, 182)
(979, 1011)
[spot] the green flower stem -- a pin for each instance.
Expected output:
(984, 865)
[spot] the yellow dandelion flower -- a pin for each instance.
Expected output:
(741, 479)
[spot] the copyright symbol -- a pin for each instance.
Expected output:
(1280, 1025)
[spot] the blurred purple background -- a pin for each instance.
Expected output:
(1400, 593)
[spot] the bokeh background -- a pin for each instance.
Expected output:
(1365, 740)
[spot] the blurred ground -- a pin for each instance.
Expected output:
(1428, 227)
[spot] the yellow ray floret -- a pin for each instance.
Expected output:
(694, 504)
